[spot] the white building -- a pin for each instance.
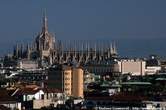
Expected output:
(152, 70)
(28, 64)
(40, 97)
(153, 65)
(13, 105)
(133, 66)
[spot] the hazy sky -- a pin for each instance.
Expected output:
(128, 20)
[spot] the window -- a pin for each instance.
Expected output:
(42, 96)
(67, 78)
(67, 84)
(67, 89)
(55, 95)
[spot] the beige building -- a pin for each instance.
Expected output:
(133, 66)
(77, 82)
(67, 82)
(73, 81)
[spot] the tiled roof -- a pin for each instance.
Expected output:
(5, 97)
(25, 91)
(30, 90)
(124, 97)
(128, 97)
(51, 90)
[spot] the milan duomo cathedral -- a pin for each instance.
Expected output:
(47, 50)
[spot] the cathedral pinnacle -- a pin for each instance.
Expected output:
(45, 25)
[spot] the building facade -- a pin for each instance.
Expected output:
(133, 66)
(73, 81)
(77, 82)
(67, 79)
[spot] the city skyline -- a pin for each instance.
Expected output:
(109, 20)
(82, 54)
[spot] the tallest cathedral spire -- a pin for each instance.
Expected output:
(45, 24)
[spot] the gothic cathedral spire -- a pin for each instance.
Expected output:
(45, 24)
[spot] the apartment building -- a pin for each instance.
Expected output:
(73, 81)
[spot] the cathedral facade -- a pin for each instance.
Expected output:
(42, 49)
(47, 50)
